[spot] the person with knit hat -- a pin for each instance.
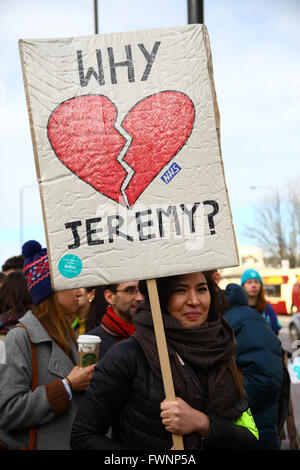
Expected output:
(51, 406)
(253, 284)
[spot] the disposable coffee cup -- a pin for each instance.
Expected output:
(88, 350)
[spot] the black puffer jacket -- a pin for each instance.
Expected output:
(124, 393)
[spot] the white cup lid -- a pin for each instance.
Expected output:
(88, 339)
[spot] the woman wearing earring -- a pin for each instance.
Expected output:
(85, 301)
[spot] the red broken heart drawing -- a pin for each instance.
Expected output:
(82, 133)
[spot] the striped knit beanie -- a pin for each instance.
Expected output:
(36, 271)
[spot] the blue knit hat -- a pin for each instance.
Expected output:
(36, 271)
(250, 274)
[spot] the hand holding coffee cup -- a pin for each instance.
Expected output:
(88, 350)
(79, 378)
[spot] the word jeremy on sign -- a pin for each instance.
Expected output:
(143, 225)
(85, 77)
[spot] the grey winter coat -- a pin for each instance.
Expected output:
(48, 407)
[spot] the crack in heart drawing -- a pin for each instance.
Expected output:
(120, 161)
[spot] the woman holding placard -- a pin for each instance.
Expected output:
(126, 392)
(40, 381)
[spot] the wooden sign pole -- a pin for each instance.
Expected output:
(163, 352)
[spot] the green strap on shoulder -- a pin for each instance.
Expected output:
(248, 422)
(75, 322)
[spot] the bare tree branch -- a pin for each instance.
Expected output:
(276, 226)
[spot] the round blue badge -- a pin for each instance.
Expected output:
(70, 266)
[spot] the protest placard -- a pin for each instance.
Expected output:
(126, 140)
(125, 132)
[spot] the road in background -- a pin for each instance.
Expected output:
(284, 321)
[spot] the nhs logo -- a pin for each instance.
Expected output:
(170, 173)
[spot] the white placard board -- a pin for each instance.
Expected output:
(125, 132)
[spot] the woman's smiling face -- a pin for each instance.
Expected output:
(190, 301)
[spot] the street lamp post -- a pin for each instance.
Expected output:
(96, 16)
(264, 187)
(276, 190)
(195, 12)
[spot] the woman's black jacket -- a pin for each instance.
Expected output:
(125, 394)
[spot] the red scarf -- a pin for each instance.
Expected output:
(115, 326)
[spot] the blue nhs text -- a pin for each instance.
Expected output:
(170, 173)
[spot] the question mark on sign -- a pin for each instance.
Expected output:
(210, 216)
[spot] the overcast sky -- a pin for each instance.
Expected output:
(256, 56)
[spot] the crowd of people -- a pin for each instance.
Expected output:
(227, 363)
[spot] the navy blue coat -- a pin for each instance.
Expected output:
(259, 357)
(107, 340)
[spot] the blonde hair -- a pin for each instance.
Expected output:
(51, 316)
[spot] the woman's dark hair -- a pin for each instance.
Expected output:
(2, 277)
(98, 306)
(166, 286)
(15, 262)
(14, 294)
